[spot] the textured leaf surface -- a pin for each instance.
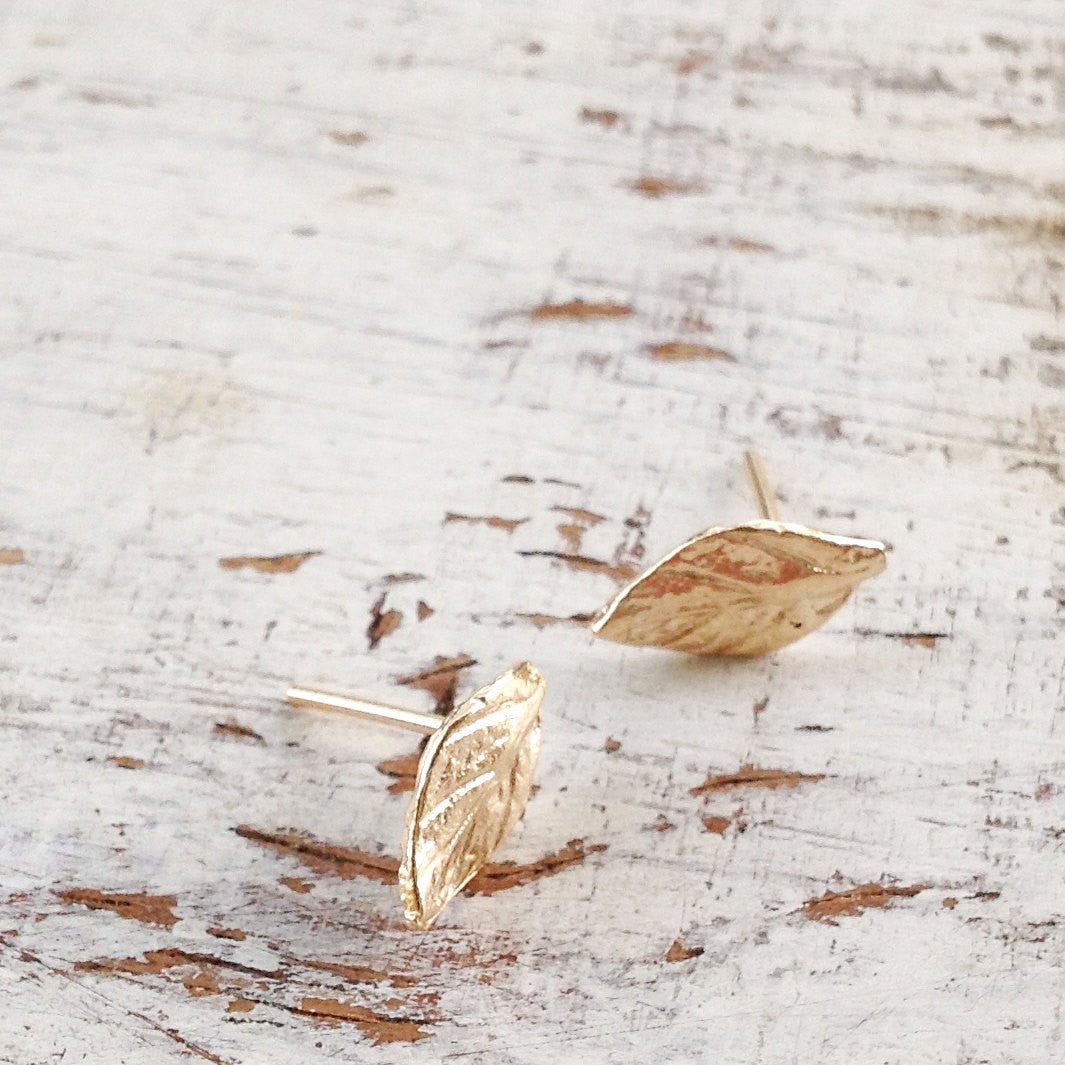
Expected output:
(473, 782)
(740, 590)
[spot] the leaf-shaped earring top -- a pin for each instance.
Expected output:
(741, 589)
(474, 779)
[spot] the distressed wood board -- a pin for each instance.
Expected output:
(374, 345)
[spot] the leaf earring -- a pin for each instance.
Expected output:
(741, 589)
(474, 779)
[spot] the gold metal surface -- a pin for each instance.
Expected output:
(741, 589)
(767, 501)
(474, 779)
(414, 720)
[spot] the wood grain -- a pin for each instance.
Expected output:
(289, 290)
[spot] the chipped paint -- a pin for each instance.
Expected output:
(236, 730)
(349, 863)
(679, 952)
(684, 351)
(849, 903)
(125, 761)
(748, 776)
(657, 187)
(620, 571)
(493, 521)
(440, 679)
(403, 770)
(380, 1027)
(149, 909)
(268, 563)
(382, 622)
(580, 310)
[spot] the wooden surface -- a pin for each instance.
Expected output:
(420, 325)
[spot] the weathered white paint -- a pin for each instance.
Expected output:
(224, 332)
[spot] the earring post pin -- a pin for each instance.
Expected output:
(414, 720)
(763, 491)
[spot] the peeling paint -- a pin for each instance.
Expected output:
(348, 138)
(440, 679)
(236, 730)
(579, 310)
(491, 520)
(268, 563)
(124, 761)
(379, 1027)
(852, 902)
(682, 351)
(619, 571)
(382, 622)
(403, 771)
(748, 776)
(149, 909)
(679, 952)
(657, 187)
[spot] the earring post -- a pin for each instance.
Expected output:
(763, 491)
(414, 720)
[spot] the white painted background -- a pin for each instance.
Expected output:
(228, 329)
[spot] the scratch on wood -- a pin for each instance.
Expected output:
(742, 244)
(379, 1027)
(268, 563)
(499, 876)
(915, 639)
(115, 99)
(579, 310)
(12, 556)
(382, 622)
(491, 520)
(402, 578)
(237, 730)
(620, 571)
(681, 351)
(679, 952)
(345, 862)
(1021, 228)
(348, 138)
(852, 902)
(542, 621)
(750, 777)
(349, 863)
(149, 909)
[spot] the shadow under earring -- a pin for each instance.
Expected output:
(474, 779)
(741, 589)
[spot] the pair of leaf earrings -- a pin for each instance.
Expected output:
(732, 590)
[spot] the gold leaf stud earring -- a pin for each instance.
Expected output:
(473, 781)
(741, 589)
